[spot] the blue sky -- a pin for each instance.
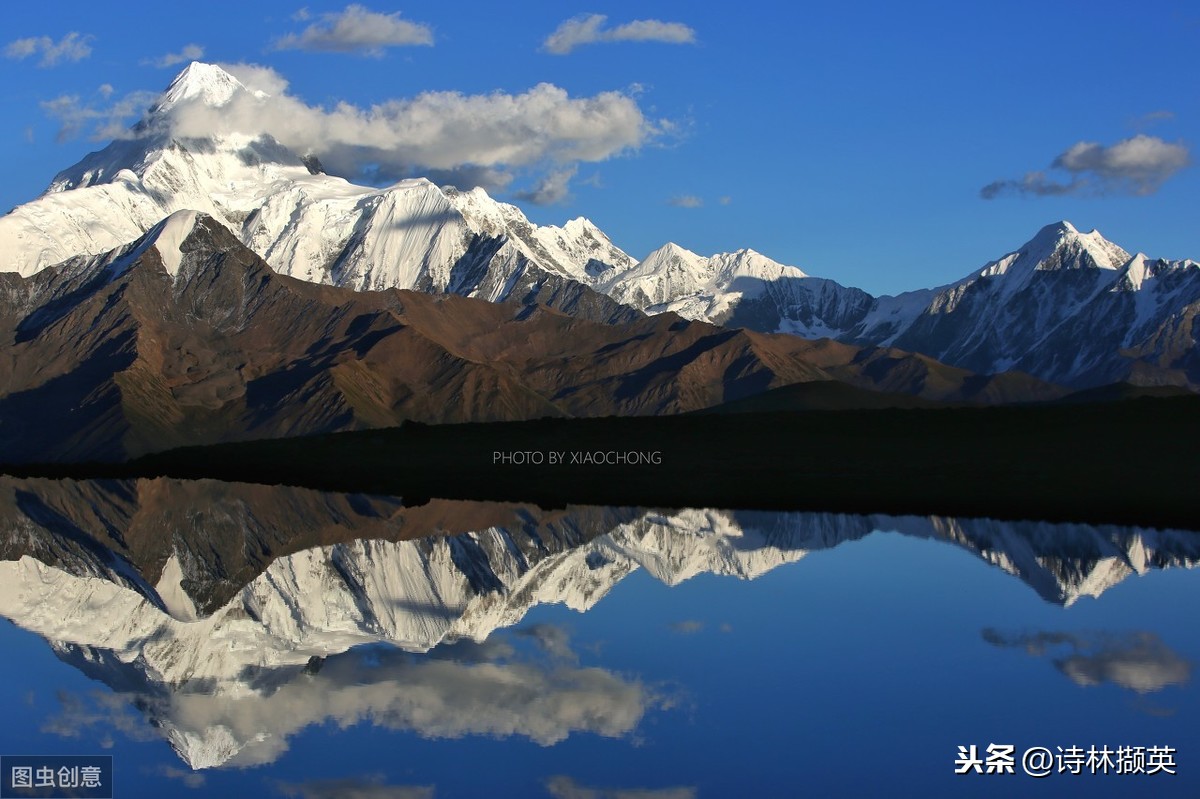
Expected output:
(852, 140)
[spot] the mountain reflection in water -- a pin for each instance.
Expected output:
(234, 616)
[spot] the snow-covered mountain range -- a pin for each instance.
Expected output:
(218, 681)
(1067, 306)
(305, 223)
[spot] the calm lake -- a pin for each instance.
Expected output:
(231, 640)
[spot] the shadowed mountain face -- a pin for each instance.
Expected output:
(187, 337)
(219, 606)
(224, 536)
(1068, 306)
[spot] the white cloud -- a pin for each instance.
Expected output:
(590, 30)
(1142, 161)
(258, 78)
(541, 134)
(190, 52)
(686, 201)
(1138, 165)
(433, 697)
(533, 141)
(356, 30)
(72, 47)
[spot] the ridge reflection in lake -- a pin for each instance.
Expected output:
(255, 626)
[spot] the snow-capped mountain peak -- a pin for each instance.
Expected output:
(199, 82)
(743, 288)
(1059, 246)
(305, 223)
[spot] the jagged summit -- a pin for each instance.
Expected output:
(1056, 247)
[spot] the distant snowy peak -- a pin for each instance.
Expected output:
(672, 273)
(1059, 247)
(666, 275)
(1141, 269)
(740, 289)
(1069, 307)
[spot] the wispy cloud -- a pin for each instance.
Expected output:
(590, 29)
(72, 47)
(686, 201)
(687, 626)
(190, 52)
(191, 779)
(96, 712)
(356, 29)
(106, 119)
(553, 188)
(553, 639)
(1153, 118)
(1137, 166)
(1138, 661)
(370, 787)
(563, 787)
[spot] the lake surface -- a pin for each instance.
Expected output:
(232, 640)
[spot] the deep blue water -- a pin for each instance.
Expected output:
(856, 671)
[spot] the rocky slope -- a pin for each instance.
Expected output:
(185, 336)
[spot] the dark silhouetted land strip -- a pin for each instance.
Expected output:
(1125, 462)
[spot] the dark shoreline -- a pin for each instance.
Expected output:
(1131, 462)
